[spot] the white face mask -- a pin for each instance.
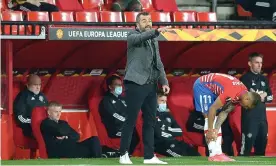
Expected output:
(118, 90)
(162, 107)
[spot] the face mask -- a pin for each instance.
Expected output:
(118, 90)
(162, 107)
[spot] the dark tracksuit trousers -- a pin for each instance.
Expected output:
(140, 97)
(173, 148)
(254, 131)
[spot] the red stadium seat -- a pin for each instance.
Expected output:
(69, 5)
(37, 16)
(130, 16)
(242, 12)
(62, 16)
(86, 16)
(92, 4)
(184, 16)
(147, 5)
(12, 16)
(38, 115)
(160, 17)
(207, 17)
(165, 6)
(111, 16)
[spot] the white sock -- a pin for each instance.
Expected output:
(218, 143)
(274, 17)
(214, 147)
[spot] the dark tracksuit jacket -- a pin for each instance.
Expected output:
(70, 147)
(112, 111)
(165, 130)
(254, 122)
(23, 105)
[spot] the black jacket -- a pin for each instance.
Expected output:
(24, 103)
(166, 127)
(112, 111)
(51, 129)
(257, 82)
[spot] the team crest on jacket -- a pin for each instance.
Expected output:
(263, 83)
(41, 98)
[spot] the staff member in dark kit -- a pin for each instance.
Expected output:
(254, 122)
(166, 130)
(144, 70)
(112, 111)
(25, 101)
(61, 139)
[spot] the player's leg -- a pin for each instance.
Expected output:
(203, 100)
(261, 139)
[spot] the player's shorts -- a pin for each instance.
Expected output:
(203, 97)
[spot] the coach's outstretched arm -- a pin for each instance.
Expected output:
(136, 37)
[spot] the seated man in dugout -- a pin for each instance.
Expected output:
(126, 5)
(112, 112)
(32, 5)
(25, 101)
(165, 131)
(61, 140)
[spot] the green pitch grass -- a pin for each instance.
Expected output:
(139, 161)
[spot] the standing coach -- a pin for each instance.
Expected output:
(254, 122)
(144, 70)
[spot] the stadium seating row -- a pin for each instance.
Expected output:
(106, 16)
(101, 5)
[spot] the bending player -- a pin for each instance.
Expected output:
(219, 93)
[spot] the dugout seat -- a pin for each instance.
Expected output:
(23, 142)
(87, 17)
(62, 16)
(12, 16)
(19, 139)
(185, 16)
(37, 16)
(95, 5)
(38, 115)
(107, 16)
(130, 16)
(180, 102)
(165, 6)
(95, 96)
(147, 5)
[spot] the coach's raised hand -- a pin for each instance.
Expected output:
(163, 29)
